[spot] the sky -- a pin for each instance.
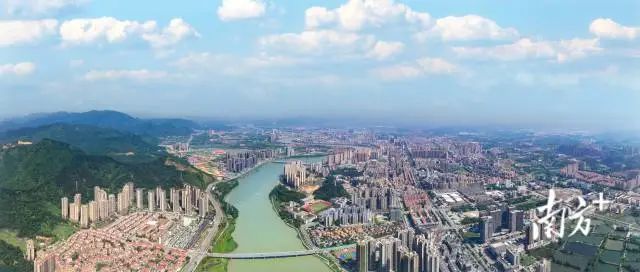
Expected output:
(547, 63)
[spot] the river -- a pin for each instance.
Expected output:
(260, 229)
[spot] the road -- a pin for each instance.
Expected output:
(200, 251)
(283, 254)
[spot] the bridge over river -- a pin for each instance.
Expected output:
(283, 254)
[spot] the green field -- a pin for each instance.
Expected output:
(224, 242)
(11, 237)
(212, 265)
(614, 250)
(319, 206)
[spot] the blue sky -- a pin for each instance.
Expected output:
(557, 64)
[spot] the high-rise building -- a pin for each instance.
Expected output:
(513, 257)
(543, 266)
(140, 198)
(94, 213)
(432, 263)
(65, 207)
(112, 204)
(30, 250)
(204, 205)
(151, 200)
(45, 264)
(486, 228)
(295, 174)
(84, 216)
(122, 200)
(162, 199)
(74, 212)
(362, 254)
(77, 199)
(175, 200)
(103, 208)
(186, 200)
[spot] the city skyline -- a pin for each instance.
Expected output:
(546, 64)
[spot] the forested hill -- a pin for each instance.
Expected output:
(33, 178)
(105, 119)
(93, 140)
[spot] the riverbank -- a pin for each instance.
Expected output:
(279, 196)
(260, 229)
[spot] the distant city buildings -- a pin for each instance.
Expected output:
(406, 252)
(295, 174)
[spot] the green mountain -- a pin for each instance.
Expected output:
(33, 178)
(105, 119)
(122, 146)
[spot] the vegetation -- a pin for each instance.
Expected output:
(347, 172)
(470, 220)
(107, 119)
(463, 208)
(224, 242)
(282, 194)
(33, 178)
(330, 189)
(209, 264)
(93, 140)
(12, 259)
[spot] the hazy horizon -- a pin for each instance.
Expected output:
(392, 62)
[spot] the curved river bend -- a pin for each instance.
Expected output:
(259, 229)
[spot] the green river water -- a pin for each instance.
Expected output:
(259, 229)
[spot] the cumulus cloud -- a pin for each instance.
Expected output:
(436, 66)
(18, 69)
(526, 48)
(39, 7)
(608, 29)
(112, 30)
(420, 67)
(138, 75)
(109, 29)
(24, 31)
(318, 42)
(466, 28)
(358, 14)
(176, 31)
(383, 50)
(241, 9)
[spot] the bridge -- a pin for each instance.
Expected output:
(282, 254)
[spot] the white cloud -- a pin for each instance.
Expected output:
(19, 32)
(318, 42)
(139, 75)
(421, 67)
(39, 7)
(436, 66)
(609, 29)
(231, 65)
(109, 29)
(358, 14)
(397, 72)
(383, 50)
(526, 48)
(18, 69)
(466, 28)
(112, 30)
(176, 31)
(240, 9)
